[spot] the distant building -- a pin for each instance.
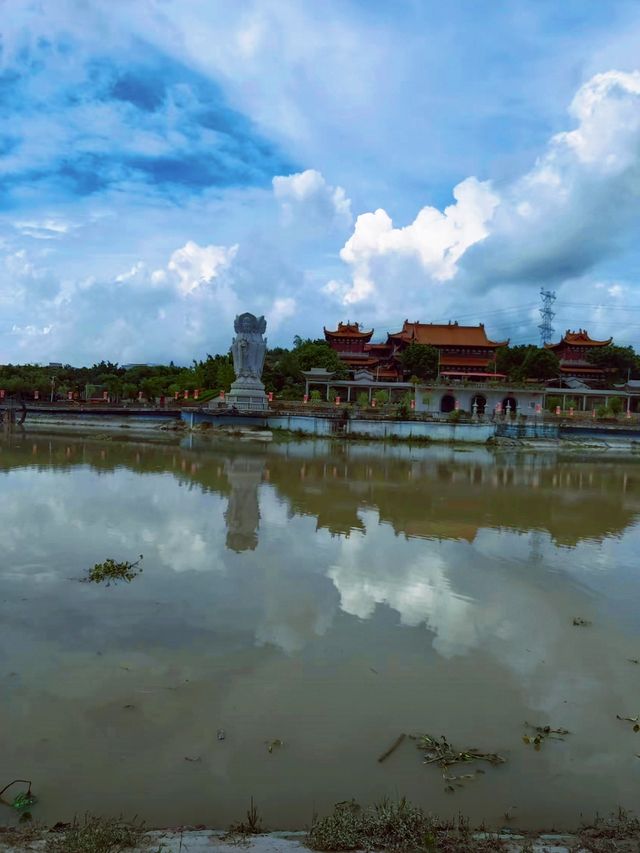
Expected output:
(465, 351)
(572, 350)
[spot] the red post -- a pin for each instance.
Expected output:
(305, 399)
(337, 401)
(558, 410)
(105, 396)
(36, 394)
(139, 395)
(413, 404)
(593, 413)
(176, 395)
(222, 395)
(270, 396)
(186, 394)
(1, 393)
(373, 403)
(69, 395)
(196, 394)
(570, 411)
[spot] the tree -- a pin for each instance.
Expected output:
(527, 361)
(540, 364)
(622, 362)
(420, 360)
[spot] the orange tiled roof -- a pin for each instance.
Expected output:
(578, 339)
(568, 369)
(446, 334)
(348, 330)
(356, 360)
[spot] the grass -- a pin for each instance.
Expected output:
(395, 826)
(96, 835)
(619, 832)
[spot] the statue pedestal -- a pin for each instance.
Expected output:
(247, 395)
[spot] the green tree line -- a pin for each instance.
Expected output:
(282, 374)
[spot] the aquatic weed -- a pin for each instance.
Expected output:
(112, 571)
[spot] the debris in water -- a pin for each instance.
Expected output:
(542, 733)
(633, 660)
(110, 571)
(439, 751)
(634, 720)
(272, 744)
(187, 758)
(392, 748)
(22, 800)
(583, 623)
(221, 734)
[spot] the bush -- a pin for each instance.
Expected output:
(332, 394)
(553, 402)
(381, 397)
(456, 415)
(615, 406)
(386, 826)
(363, 400)
(315, 396)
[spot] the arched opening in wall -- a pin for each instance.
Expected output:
(447, 403)
(509, 405)
(634, 404)
(481, 402)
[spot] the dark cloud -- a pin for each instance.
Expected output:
(80, 127)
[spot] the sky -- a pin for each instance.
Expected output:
(168, 164)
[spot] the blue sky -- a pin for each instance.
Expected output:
(167, 164)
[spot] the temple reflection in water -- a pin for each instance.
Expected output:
(438, 493)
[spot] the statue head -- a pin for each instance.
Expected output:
(248, 323)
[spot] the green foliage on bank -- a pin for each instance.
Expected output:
(282, 374)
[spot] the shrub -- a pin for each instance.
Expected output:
(363, 400)
(615, 405)
(315, 396)
(381, 397)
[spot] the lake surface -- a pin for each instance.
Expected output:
(329, 596)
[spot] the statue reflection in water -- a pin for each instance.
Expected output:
(243, 511)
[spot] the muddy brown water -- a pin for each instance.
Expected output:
(329, 596)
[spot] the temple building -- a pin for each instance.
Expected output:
(572, 350)
(465, 351)
(351, 344)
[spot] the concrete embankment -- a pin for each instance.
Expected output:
(531, 434)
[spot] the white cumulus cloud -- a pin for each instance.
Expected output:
(307, 195)
(193, 265)
(578, 204)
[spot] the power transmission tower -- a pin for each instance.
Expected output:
(547, 314)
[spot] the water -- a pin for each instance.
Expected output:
(326, 595)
